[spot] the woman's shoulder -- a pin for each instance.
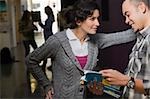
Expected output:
(60, 34)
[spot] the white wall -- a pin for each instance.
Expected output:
(55, 9)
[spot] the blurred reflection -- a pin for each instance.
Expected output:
(6, 61)
(6, 69)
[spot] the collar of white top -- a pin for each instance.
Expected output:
(72, 36)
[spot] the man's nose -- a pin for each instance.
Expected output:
(127, 20)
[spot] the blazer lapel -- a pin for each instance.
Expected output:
(91, 50)
(67, 48)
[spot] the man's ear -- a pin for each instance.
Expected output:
(142, 7)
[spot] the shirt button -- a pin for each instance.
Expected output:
(81, 89)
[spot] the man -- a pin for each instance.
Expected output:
(136, 80)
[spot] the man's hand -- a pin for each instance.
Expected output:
(114, 77)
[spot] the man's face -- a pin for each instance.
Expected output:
(133, 15)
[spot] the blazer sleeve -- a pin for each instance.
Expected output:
(105, 40)
(47, 50)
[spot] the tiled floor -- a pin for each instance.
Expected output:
(14, 83)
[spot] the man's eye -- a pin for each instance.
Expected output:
(127, 15)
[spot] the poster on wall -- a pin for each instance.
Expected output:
(2, 6)
(3, 16)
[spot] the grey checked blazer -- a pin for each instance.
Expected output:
(66, 69)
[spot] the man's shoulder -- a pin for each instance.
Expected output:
(148, 38)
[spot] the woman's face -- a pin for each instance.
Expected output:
(91, 24)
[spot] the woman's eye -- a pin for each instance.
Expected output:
(92, 19)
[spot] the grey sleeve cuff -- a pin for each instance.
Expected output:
(146, 84)
(147, 92)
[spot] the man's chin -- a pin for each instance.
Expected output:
(135, 30)
(92, 33)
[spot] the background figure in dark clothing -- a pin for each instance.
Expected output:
(47, 29)
(48, 23)
(26, 27)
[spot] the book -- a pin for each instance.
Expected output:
(93, 76)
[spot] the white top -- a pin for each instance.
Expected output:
(77, 48)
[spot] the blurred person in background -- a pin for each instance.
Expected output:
(47, 30)
(26, 28)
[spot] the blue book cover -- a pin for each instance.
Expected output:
(92, 76)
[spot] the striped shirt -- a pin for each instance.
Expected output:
(139, 64)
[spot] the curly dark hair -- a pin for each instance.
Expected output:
(80, 11)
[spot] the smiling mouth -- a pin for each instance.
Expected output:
(131, 23)
(95, 28)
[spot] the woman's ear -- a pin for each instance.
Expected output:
(78, 23)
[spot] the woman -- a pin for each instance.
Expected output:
(71, 51)
(26, 27)
(48, 23)
(47, 29)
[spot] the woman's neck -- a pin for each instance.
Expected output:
(80, 35)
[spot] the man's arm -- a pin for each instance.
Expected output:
(114, 77)
(105, 40)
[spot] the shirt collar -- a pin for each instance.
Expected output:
(143, 33)
(72, 36)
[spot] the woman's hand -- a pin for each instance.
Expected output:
(114, 77)
(49, 94)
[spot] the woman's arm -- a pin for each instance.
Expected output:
(105, 40)
(41, 24)
(47, 50)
